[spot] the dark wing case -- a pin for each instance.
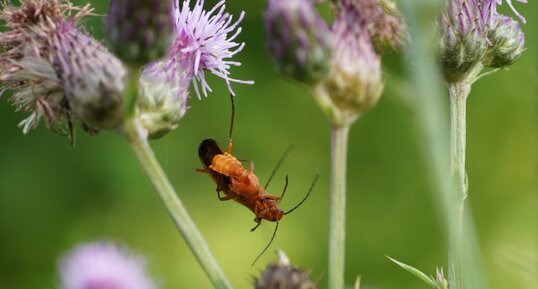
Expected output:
(207, 150)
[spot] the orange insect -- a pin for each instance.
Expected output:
(242, 185)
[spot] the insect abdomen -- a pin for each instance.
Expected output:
(228, 165)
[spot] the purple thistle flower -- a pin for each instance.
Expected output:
(92, 78)
(103, 265)
(467, 37)
(57, 72)
(355, 80)
(380, 18)
(25, 60)
(204, 40)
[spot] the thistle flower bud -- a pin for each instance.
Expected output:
(56, 72)
(163, 97)
(282, 275)
(440, 279)
(139, 31)
(93, 79)
(507, 42)
(463, 37)
(380, 18)
(298, 39)
(355, 81)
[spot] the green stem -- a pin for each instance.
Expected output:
(132, 92)
(458, 93)
(337, 209)
(138, 140)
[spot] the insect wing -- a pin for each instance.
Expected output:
(207, 150)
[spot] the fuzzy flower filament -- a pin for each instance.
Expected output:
(103, 265)
(207, 39)
(203, 41)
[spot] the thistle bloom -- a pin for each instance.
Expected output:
(203, 40)
(103, 265)
(55, 71)
(298, 39)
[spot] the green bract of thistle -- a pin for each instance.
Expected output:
(507, 42)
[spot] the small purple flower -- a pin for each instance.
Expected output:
(468, 31)
(103, 265)
(25, 60)
(204, 40)
(355, 80)
(57, 72)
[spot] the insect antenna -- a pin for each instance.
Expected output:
(266, 247)
(230, 146)
(284, 190)
(305, 197)
(278, 164)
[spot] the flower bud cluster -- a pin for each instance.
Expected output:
(58, 73)
(342, 62)
(474, 35)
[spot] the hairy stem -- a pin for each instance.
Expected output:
(138, 140)
(337, 209)
(458, 93)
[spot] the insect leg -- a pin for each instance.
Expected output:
(229, 149)
(258, 221)
(230, 196)
(202, 170)
(250, 164)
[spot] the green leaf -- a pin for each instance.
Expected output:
(429, 280)
(358, 282)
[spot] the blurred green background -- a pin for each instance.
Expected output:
(53, 196)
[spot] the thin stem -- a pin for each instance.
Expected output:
(433, 125)
(132, 91)
(458, 93)
(337, 209)
(138, 141)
